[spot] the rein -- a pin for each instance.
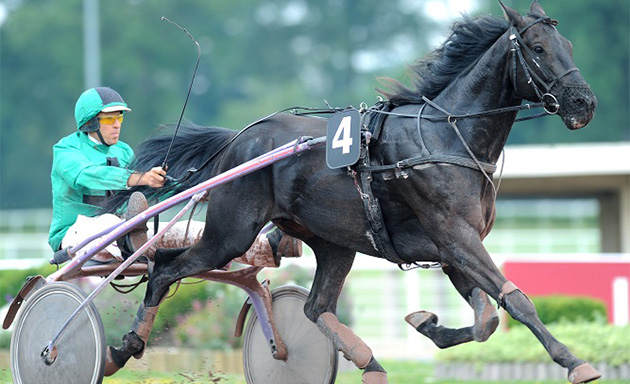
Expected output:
(294, 110)
(489, 112)
(362, 171)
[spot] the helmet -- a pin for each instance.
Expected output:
(92, 102)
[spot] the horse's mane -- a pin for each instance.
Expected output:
(470, 38)
(193, 145)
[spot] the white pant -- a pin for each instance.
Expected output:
(181, 234)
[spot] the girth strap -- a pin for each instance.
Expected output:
(362, 174)
(372, 121)
(372, 207)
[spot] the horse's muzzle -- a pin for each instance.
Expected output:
(577, 105)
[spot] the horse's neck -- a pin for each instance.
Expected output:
(487, 86)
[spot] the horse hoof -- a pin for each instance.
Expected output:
(374, 377)
(583, 373)
(110, 365)
(416, 319)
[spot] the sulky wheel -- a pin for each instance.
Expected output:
(81, 349)
(312, 358)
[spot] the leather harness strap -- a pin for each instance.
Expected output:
(430, 159)
(382, 241)
(372, 121)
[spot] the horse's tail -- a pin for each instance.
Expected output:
(193, 145)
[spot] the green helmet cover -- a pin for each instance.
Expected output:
(96, 100)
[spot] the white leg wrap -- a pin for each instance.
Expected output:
(346, 341)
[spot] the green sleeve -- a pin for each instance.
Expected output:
(79, 170)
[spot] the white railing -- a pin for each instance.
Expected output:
(25, 220)
(24, 238)
(525, 226)
(23, 250)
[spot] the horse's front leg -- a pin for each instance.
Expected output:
(465, 251)
(486, 317)
(333, 265)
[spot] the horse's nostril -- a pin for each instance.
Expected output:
(581, 103)
(587, 104)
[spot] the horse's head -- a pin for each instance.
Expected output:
(542, 67)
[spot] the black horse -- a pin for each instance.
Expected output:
(437, 206)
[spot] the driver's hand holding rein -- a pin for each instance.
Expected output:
(154, 178)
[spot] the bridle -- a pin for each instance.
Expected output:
(547, 79)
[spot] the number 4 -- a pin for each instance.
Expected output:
(342, 137)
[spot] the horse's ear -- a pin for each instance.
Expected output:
(511, 15)
(536, 9)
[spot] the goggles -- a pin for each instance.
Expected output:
(109, 119)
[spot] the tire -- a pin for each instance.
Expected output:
(81, 349)
(312, 358)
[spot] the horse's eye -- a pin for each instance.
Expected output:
(538, 49)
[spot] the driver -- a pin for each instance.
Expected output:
(87, 166)
(90, 164)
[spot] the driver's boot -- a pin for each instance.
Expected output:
(135, 239)
(269, 248)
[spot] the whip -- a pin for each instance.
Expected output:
(164, 164)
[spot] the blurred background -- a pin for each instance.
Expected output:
(563, 225)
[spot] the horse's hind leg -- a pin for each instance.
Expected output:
(486, 317)
(333, 265)
(134, 342)
(228, 233)
(215, 249)
(171, 265)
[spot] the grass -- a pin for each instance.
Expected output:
(400, 372)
